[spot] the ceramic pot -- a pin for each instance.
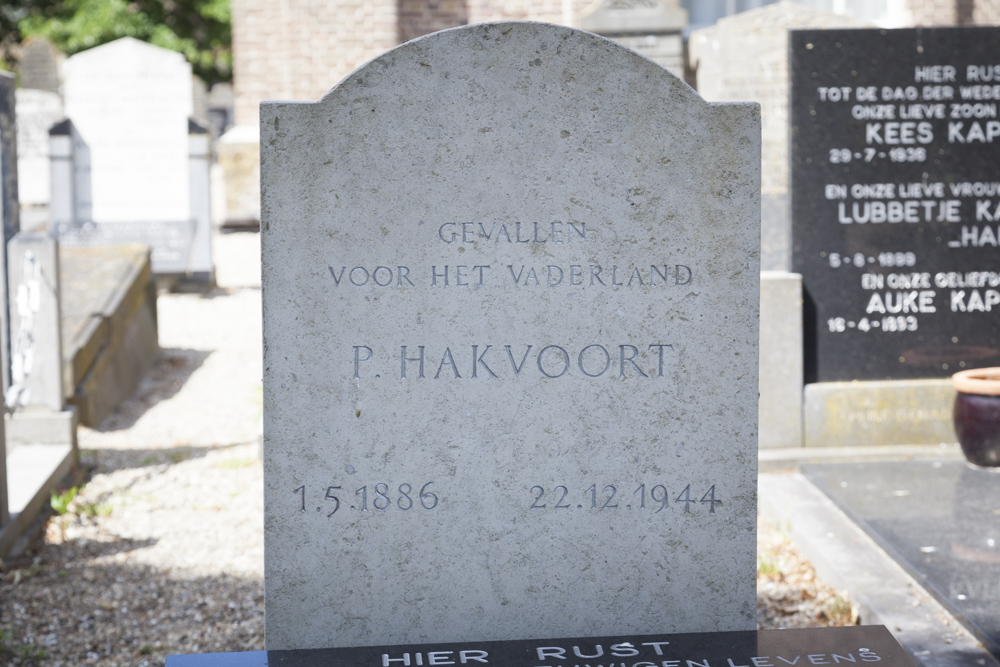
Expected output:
(977, 415)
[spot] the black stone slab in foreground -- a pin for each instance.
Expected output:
(767, 648)
(939, 519)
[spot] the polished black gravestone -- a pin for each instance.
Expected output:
(895, 204)
(939, 519)
(767, 648)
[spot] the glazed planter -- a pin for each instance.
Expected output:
(977, 415)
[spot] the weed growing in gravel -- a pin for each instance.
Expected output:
(60, 501)
(767, 565)
(28, 652)
(94, 509)
(236, 463)
(23, 573)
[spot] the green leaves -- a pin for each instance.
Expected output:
(198, 29)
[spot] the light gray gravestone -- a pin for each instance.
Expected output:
(40, 65)
(131, 103)
(510, 292)
(36, 334)
(37, 112)
(69, 159)
(745, 57)
(651, 27)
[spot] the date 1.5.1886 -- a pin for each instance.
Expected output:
(370, 497)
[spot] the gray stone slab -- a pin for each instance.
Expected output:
(780, 408)
(35, 332)
(940, 520)
(35, 426)
(446, 152)
(789, 459)
(889, 412)
(34, 470)
(109, 325)
(846, 558)
(745, 57)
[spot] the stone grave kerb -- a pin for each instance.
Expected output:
(508, 124)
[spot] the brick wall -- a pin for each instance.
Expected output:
(420, 17)
(955, 12)
(299, 49)
(986, 12)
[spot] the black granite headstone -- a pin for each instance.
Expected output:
(896, 200)
(939, 519)
(768, 648)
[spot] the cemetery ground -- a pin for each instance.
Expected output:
(161, 550)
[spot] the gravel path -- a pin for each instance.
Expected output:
(162, 551)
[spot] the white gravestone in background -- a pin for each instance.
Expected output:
(131, 101)
(37, 112)
(510, 288)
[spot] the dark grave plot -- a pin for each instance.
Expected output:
(871, 644)
(896, 200)
(940, 520)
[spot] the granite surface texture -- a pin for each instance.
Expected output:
(896, 200)
(510, 292)
(940, 520)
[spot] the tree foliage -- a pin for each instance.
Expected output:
(198, 29)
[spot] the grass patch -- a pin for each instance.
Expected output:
(236, 463)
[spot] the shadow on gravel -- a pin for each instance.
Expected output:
(110, 460)
(162, 381)
(82, 602)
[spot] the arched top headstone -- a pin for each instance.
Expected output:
(40, 65)
(130, 102)
(510, 288)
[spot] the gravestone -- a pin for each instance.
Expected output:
(651, 27)
(37, 112)
(220, 108)
(10, 210)
(131, 103)
(36, 338)
(765, 648)
(510, 292)
(745, 57)
(896, 201)
(40, 65)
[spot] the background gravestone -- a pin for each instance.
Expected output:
(131, 104)
(10, 212)
(651, 28)
(896, 201)
(510, 289)
(37, 112)
(745, 57)
(40, 65)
